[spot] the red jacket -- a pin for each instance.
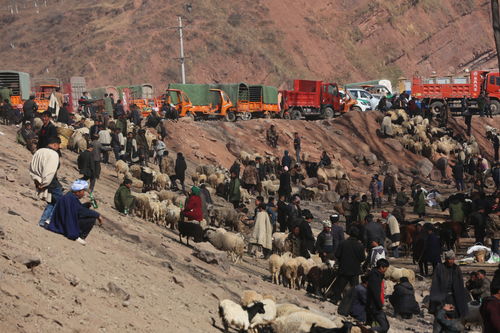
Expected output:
(193, 210)
(490, 310)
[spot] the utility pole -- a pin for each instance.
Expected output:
(183, 69)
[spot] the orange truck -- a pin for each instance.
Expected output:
(215, 104)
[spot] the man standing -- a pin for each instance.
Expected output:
(180, 170)
(285, 188)
(375, 296)
(342, 187)
(86, 165)
(324, 242)
(467, 114)
(307, 239)
(71, 218)
(376, 189)
(395, 235)
(105, 141)
(389, 187)
(29, 109)
(448, 288)
(43, 171)
(5, 93)
(286, 161)
(159, 148)
(350, 255)
(117, 144)
(47, 131)
(297, 146)
(490, 308)
(124, 200)
(234, 194)
(458, 175)
(108, 107)
(373, 231)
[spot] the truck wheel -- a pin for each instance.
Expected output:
(436, 107)
(328, 113)
(285, 115)
(245, 116)
(191, 115)
(495, 107)
(356, 108)
(295, 115)
(230, 116)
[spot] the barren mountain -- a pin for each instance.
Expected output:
(114, 42)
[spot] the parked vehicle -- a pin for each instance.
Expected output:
(375, 83)
(435, 90)
(365, 99)
(213, 104)
(311, 99)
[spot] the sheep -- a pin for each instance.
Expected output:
(179, 200)
(235, 315)
(386, 127)
(395, 274)
(225, 216)
(135, 170)
(268, 315)
(301, 322)
(162, 182)
(121, 167)
(283, 310)
(303, 270)
(190, 229)
(245, 196)
(172, 216)
(250, 296)
(270, 186)
(289, 272)
(275, 263)
(165, 195)
(279, 242)
(348, 327)
(319, 278)
(223, 240)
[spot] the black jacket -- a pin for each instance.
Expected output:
(351, 254)
(29, 108)
(403, 299)
(285, 184)
(439, 288)
(46, 132)
(180, 168)
(86, 164)
(374, 231)
(458, 171)
(306, 238)
(63, 116)
(374, 300)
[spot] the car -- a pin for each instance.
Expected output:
(364, 97)
(357, 106)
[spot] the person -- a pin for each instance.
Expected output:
(495, 174)
(447, 288)
(43, 172)
(496, 145)
(193, 210)
(489, 310)
(180, 170)
(337, 231)
(431, 253)
(104, 139)
(374, 231)
(389, 187)
(159, 148)
(119, 110)
(363, 209)
(419, 203)
(131, 154)
(482, 286)
(347, 210)
(85, 104)
(297, 174)
(376, 189)
(234, 194)
(71, 218)
(458, 175)
(467, 114)
(108, 105)
(142, 147)
(5, 93)
(293, 241)
(324, 242)
(271, 209)
(272, 136)
(403, 299)
(250, 177)
(286, 161)
(118, 144)
(27, 137)
(342, 187)
(285, 188)
(282, 214)
(376, 252)
(64, 115)
(307, 240)
(235, 167)
(479, 219)
(124, 200)
(135, 115)
(94, 129)
(297, 146)
(325, 160)
(401, 198)
(261, 172)
(358, 305)
(394, 234)
(375, 296)
(206, 201)
(263, 230)
(446, 322)
(350, 254)
(29, 109)
(493, 230)
(86, 165)
(47, 131)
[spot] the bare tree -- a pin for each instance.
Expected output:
(495, 17)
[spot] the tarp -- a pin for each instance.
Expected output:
(97, 93)
(199, 94)
(266, 94)
(235, 91)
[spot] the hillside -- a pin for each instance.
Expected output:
(130, 41)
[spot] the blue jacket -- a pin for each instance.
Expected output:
(358, 307)
(67, 212)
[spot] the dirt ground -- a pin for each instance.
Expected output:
(136, 276)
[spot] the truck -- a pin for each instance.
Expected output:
(310, 99)
(434, 91)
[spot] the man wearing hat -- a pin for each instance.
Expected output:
(47, 131)
(448, 288)
(285, 187)
(43, 171)
(124, 200)
(86, 165)
(307, 239)
(324, 243)
(71, 218)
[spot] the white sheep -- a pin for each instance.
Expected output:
(303, 270)
(135, 170)
(279, 242)
(165, 195)
(172, 216)
(289, 272)
(245, 196)
(162, 181)
(266, 317)
(275, 263)
(250, 296)
(270, 186)
(301, 322)
(232, 243)
(121, 167)
(395, 274)
(235, 315)
(283, 310)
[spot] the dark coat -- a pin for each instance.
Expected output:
(86, 164)
(374, 232)
(285, 184)
(358, 306)
(307, 239)
(338, 236)
(439, 287)
(374, 295)
(29, 109)
(63, 116)
(432, 249)
(351, 254)
(282, 213)
(180, 168)
(286, 161)
(123, 198)
(490, 310)
(234, 192)
(45, 133)
(403, 299)
(389, 185)
(458, 171)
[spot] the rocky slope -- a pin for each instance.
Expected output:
(117, 42)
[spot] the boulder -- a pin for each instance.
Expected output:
(330, 196)
(117, 291)
(310, 182)
(234, 149)
(394, 144)
(424, 167)
(435, 175)
(28, 261)
(209, 254)
(369, 158)
(323, 187)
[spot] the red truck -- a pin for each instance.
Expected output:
(310, 99)
(435, 90)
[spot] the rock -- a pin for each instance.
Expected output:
(424, 167)
(330, 196)
(2, 233)
(73, 280)
(233, 149)
(29, 262)
(195, 146)
(10, 178)
(394, 144)
(167, 265)
(126, 304)
(207, 253)
(177, 281)
(310, 182)
(369, 158)
(435, 175)
(117, 291)
(11, 212)
(323, 187)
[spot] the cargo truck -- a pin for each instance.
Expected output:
(311, 99)
(201, 104)
(434, 91)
